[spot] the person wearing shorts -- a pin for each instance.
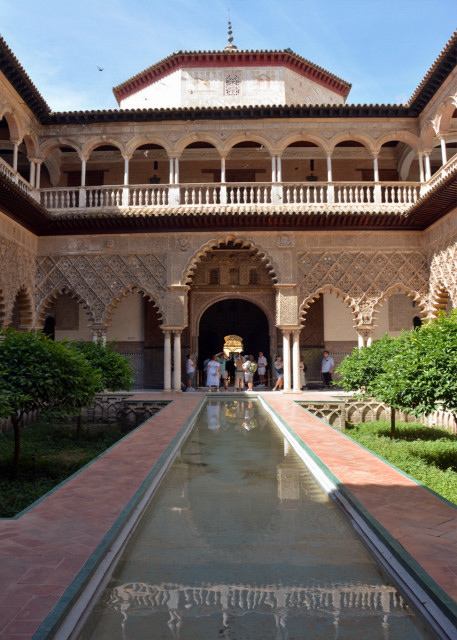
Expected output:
(222, 359)
(261, 368)
(249, 372)
(239, 374)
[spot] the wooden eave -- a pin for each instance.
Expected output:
(23, 209)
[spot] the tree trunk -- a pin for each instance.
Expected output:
(392, 423)
(78, 425)
(16, 422)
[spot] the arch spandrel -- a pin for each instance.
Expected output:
(193, 261)
(362, 277)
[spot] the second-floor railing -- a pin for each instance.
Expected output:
(194, 195)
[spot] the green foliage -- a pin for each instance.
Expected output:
(428, 455)
(422, 374)
(40, 374)
(115, 369)
(50, 453)
(359, 370)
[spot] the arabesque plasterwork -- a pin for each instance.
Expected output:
(99, 281)
(443, 272)
(17, 268)
(363, 278)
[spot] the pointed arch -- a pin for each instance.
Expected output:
(400, 288)
(322, 290)
(50, 299)
(124, 292)
(188, 271)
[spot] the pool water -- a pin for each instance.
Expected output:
(240, 542)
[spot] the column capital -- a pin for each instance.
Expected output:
(173, 327)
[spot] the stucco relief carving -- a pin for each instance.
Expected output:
(176, 313)
(17, 269)
(286, 306)
(99, 280)
(443, 272)
(363, 278)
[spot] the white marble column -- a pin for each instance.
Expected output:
(223, 169)
(172, 172)
(286, 359)
(176, 171)
(428, 169)
(296, 360)
(15, 154)
(329, 169)
(273, 168)
(421, 167)
(167, 360)
(38, 174)
(177, 361)
(375, 169)
(83, 172)
(32, 173)
(126, 170)
(443, 151)
(278, 169)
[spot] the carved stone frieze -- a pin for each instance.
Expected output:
(99, 281)
(17, 268)
(364, 279)
(286, 305)
(443, 273)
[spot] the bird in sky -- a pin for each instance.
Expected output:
(99, 68)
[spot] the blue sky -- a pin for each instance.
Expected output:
(383, 47)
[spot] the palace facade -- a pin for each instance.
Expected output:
(234, 198)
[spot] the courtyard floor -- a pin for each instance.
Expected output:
(42, 551)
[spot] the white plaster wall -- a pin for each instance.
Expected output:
(127, 322)
(83, 333)
(163, 93)
(205, 87)
(301, 90)
(338, 320)
(382, 323)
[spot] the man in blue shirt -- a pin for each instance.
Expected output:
(327, 369)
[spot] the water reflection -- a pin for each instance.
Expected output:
(240, 542)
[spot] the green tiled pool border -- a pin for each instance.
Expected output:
(53, 621)
(440, 598)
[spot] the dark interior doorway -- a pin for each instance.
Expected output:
(238, 317)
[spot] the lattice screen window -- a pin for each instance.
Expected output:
(214, 276)
(253, 276)
(233, 84)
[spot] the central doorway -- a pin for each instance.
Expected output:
(233, 317)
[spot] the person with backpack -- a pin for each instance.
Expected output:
(250, 367)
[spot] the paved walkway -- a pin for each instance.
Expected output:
(42, 551)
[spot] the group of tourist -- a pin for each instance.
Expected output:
(244, 367)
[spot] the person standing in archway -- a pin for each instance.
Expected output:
(222, 359)
(279, 372)
(262, 364)
(327, 369)
(212, 374)
(239, 373)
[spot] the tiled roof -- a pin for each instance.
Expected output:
(14, 72)
(435, 76)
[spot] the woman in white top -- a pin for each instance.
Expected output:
(212, 374)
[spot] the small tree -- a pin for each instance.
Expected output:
(115, 369)
(362, 370)
(422, 374)
(43, 375)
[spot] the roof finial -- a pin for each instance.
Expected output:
(230, 46)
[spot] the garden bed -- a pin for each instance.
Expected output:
(428, 455)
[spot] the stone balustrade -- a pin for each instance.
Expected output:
(328, 195)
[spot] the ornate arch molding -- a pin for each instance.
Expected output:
(443, 276)
(349, 302)
(99, 279)
(257, 300)
(189, 270)
(444, 114)
(23, 301)
(407, 137)
(17, 272)
(133, 288)
(401, 288)
(362, 278)
(357, 136)
(50, 145)
(52, 297)
(440, 300)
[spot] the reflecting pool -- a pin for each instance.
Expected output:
(240, 542)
